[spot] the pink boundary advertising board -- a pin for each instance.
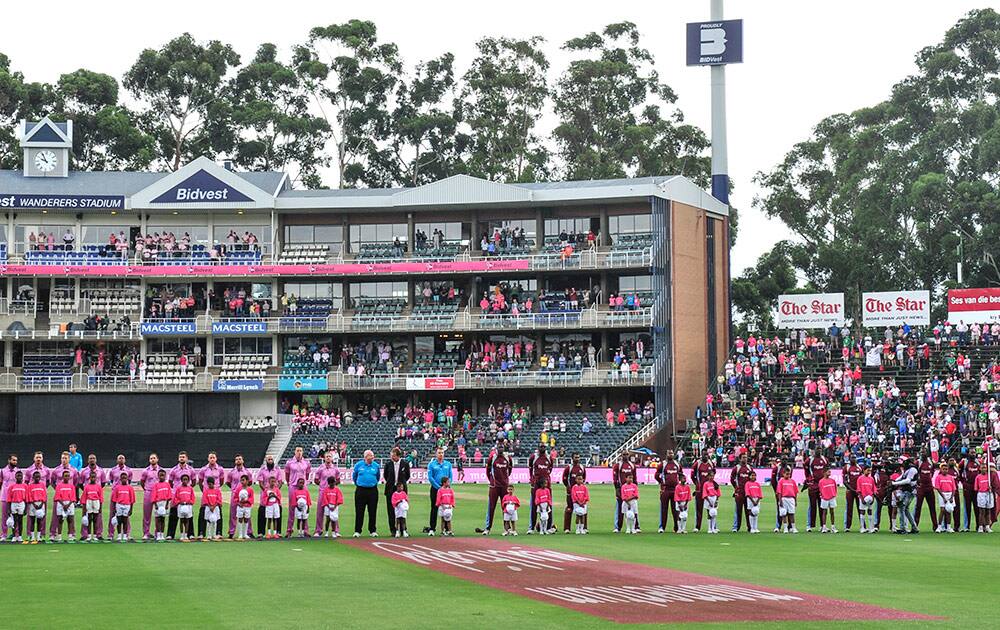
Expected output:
(266, 270)
(475, 474)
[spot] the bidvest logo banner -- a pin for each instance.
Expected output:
(714, 43)
(238, 385)
(202, 187)
(892, 308)
(973, 305)
(811, 310)
(168, 328)
(239, 328)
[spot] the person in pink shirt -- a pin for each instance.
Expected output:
(754, 495)
(509, 504)
(38, 496)
(296, 468)
(210, 470)
(330, 500)
(93, 500)
(233, 479)
(681, 498)
(445, 502)
(174, 477)
(122, 502)
(827, 502)
(64, 507)
(56, 477)
(211, 508)
(7, 476)
(113, 474)
(401, 505)
(147, 479)
(630, 503)
(867, 489)
(788, 492)
(323, 473)
(710, 494)
(984, 502)
(270, 498)
(300, 500)
(945, 484)
(580, 496)
(17, 497)
(543, 506)
(184, 506)
(160, 495)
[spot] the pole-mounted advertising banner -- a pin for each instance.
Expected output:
(714, 43)
(811, 310)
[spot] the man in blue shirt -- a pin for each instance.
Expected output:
(75, 459)
(366, 475)
(437, 470)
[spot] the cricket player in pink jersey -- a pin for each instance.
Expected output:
(174, 478)
(148, 478)
(827, 486)
(296, 468)
(946, 486)
(56, 476)
(330, 500)
(7, 474)
(867, 490)
(210, 470)
(233, 477)
(114, 474)
(64, 506)
(754, 495)
(265, 474)
(122, 502)
(327, 470)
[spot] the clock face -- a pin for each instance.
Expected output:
(45, 161)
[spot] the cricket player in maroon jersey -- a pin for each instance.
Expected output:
(970, 469)
(851, 473)
(619, 472)
(739, 479)
(925, 489)
(540, 472)
(498, 468)
(668, 476)
(570, 473)
(817, 465)
(702, 471)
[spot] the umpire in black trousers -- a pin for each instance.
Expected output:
(396, 470)
(366, 476)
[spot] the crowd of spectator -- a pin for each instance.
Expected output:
(502, 240)
(368, 357)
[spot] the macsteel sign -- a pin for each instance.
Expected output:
(168, 328)
(62, 202)
(811, 310)
(238, 385)
(239, 328)
(202, 187)
(302, 383)
(415, 383)
(973, 305)
(714, 43)
(892, 308)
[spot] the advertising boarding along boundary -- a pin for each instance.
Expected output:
(621, 592)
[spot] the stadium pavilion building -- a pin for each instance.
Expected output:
(359, 263)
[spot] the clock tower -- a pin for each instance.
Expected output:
(46, 145)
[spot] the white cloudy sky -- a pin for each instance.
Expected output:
(805, 59)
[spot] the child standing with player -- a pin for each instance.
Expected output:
(630, 504)
(122, 501)
(93, 501)
(867, 488)
(65, 505)
(754, 494)
(581, 498)
(302, 501)
(446, 506)
(827, 502)
(184, 502)
(945, 485)
(984, 502)
(330, 500)
(271, 500)
(38, 496)
(401, 505)
(17, 497)
(509, 505)
(543, 503)
(211, 507)
(244, 505)
(710, 493)
(788, 491)
(682, 496)
(161, 504)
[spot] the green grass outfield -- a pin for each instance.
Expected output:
(322, 583)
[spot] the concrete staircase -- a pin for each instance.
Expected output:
(282, 436)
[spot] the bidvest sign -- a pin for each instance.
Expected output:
(811, 310)
(168, 328)
(973, 305)
(714, 43)
(202, 187)
(892, 308)
(239, 328)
